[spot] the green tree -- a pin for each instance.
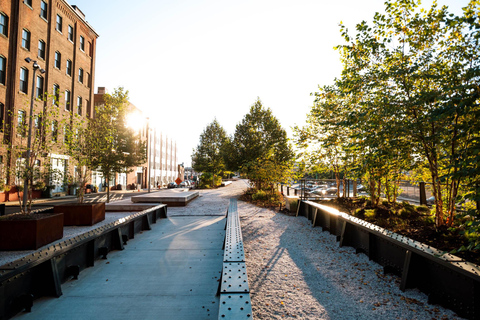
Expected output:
(78, 147)
(258, 138)
(416, 74)
(114, 147)
(44, 140)
(210, 153)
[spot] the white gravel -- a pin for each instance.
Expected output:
(299, 272)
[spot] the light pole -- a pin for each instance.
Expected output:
(29, 138)
(148, 155)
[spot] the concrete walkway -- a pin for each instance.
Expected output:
(169, 272)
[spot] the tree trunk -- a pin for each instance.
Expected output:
(107, 179)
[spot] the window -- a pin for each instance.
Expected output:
(28, 2)
(69, 67)
(67, 100)
(90, 53)
(59, 23)
(26, 39)
(56, 94)
(3, 24)
(43, 9)
(2, 112)
(37, 120)
(54, 130)
(88, 80)
(89, 112)
(23, 80)
(70, 33)
(58, 59)
(3, 69)
(22, 123)
(79, 105)
(41, 49)
(82, 43)
(39, 93)
(80, 75)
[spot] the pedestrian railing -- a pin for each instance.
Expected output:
(446, 279)
(233, 287)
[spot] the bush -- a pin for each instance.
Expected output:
(370, 213)
(259, 195)
(423, 209)
(293, 204)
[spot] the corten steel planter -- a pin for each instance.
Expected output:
(30, 233)
(81, 214)
(3, 196)
(36, 194)
(13, 194)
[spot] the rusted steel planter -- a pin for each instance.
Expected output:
(81, 214)
(30, 233)
(13, 194)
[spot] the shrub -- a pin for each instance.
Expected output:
(293, 204)
(423, 209)
(259, 195)
(370, 213)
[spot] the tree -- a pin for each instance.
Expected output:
(257, 138)
(210, 153)
(114, 147)
(44, 139)
(79, 148)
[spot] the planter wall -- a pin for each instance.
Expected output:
(3, 196)
(447, 279)
(13, 194)
(81, 214)
(32, 233)
(36, 194)
(42, 272)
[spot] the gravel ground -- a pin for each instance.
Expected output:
(299, 272)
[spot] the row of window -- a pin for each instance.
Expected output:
(37, 122)
(24, 72)
(43, 14)
(39, 91)
(42, 50)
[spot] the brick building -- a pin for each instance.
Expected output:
(56, 36)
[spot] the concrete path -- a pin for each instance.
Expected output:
(170, 272)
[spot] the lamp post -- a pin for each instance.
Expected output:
(148, 155)
(29, 138)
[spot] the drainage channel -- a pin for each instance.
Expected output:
(233, 288)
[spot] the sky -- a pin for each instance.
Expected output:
(187, 62)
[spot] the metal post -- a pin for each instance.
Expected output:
(423, 196)
(29, 140)
(148, 155)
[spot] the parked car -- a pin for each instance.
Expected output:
(361, 188)
(331, 190)
(171, 185)
(184, 184)
(431, 201)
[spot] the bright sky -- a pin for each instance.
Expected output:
(185, 62)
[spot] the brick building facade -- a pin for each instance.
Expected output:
(57, 36)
